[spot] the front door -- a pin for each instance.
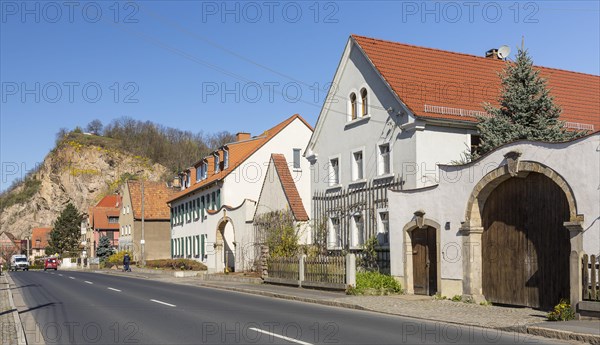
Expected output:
(424, 261)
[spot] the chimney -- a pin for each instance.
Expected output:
(241, 136)
(492, 54)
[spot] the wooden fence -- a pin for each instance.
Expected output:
(283, 268)
(591, 278)
(324, 271)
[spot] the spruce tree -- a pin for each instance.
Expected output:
(527, 109)
(65, 235)
(104, 249)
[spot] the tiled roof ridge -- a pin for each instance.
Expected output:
(465, 54)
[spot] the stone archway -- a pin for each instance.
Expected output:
(414, 231)
(225, 246)
(473, 228)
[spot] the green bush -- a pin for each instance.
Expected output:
(456, 298)
(562, 312)
(375, 283)
(176, 264)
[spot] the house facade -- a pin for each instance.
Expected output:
(514, 232)
(156, 219)
(10, 245)
(39, 242)
(397, 112)
(231, 179)
(103, 221)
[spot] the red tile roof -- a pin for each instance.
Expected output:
(109, 206)
(238, 153)
(289, 187)
(423, 76)
(41, 234)
(156, 195)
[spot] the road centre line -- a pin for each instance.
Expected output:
(165, 303)
(117, 290)
(71, 277)
(280, 336)
(88, 282)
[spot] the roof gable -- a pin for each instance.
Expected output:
(42, 235)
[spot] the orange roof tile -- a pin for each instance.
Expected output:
(238, 153)
(42, 235)
(107, 207)
(424, 76)
(289, 187)
(156, 195)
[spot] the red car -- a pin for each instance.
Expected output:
(50, 263)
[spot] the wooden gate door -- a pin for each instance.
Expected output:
(424, 261)
(525, 247)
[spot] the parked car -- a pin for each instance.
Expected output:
(19, 262)
(51, 264)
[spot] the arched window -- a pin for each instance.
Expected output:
(353, 107)
(363, 98)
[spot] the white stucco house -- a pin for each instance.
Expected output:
(395, 113)
(211, 217)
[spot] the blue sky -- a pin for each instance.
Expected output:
(236, 66)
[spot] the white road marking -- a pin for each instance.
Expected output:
(60, 274)
(89, 282)
(71, 277)
(292, 340)
(165, 303)
(117, 290)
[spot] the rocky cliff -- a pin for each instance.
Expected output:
(81, 169)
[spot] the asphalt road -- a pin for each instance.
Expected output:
(96, 308)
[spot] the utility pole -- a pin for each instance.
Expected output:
(143, 241)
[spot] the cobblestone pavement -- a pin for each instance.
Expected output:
(452, 312)
(8, 332)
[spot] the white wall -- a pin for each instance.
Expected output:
(243, 185)
(578, 162)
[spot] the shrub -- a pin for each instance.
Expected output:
(375, 283)
(117, 258)
(176, 264)
(562, 312)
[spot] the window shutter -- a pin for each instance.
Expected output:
(202, 207)
(218, 199)
(202, 246)
(171, 248)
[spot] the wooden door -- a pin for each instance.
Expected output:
(525, 247)
(424, 257)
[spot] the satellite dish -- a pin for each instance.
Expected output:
(503, 52)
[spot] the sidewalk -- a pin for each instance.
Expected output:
(9, 318)
(522, 320)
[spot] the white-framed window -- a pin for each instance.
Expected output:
(353, 107)
(384, 159)
(335, 233)
(217, 163)
(383, 231)
(188, 179)
(357, 165)
(334, 171)
(225, 159)
(364, 103)
(296, 158)
(199, 174)
(123, 210)
(358, 230)
(122, 230)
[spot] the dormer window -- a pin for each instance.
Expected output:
(225, 159)
(217, 162)
(353, 108)
(364, 102)
(199, 173)
(187, 179)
